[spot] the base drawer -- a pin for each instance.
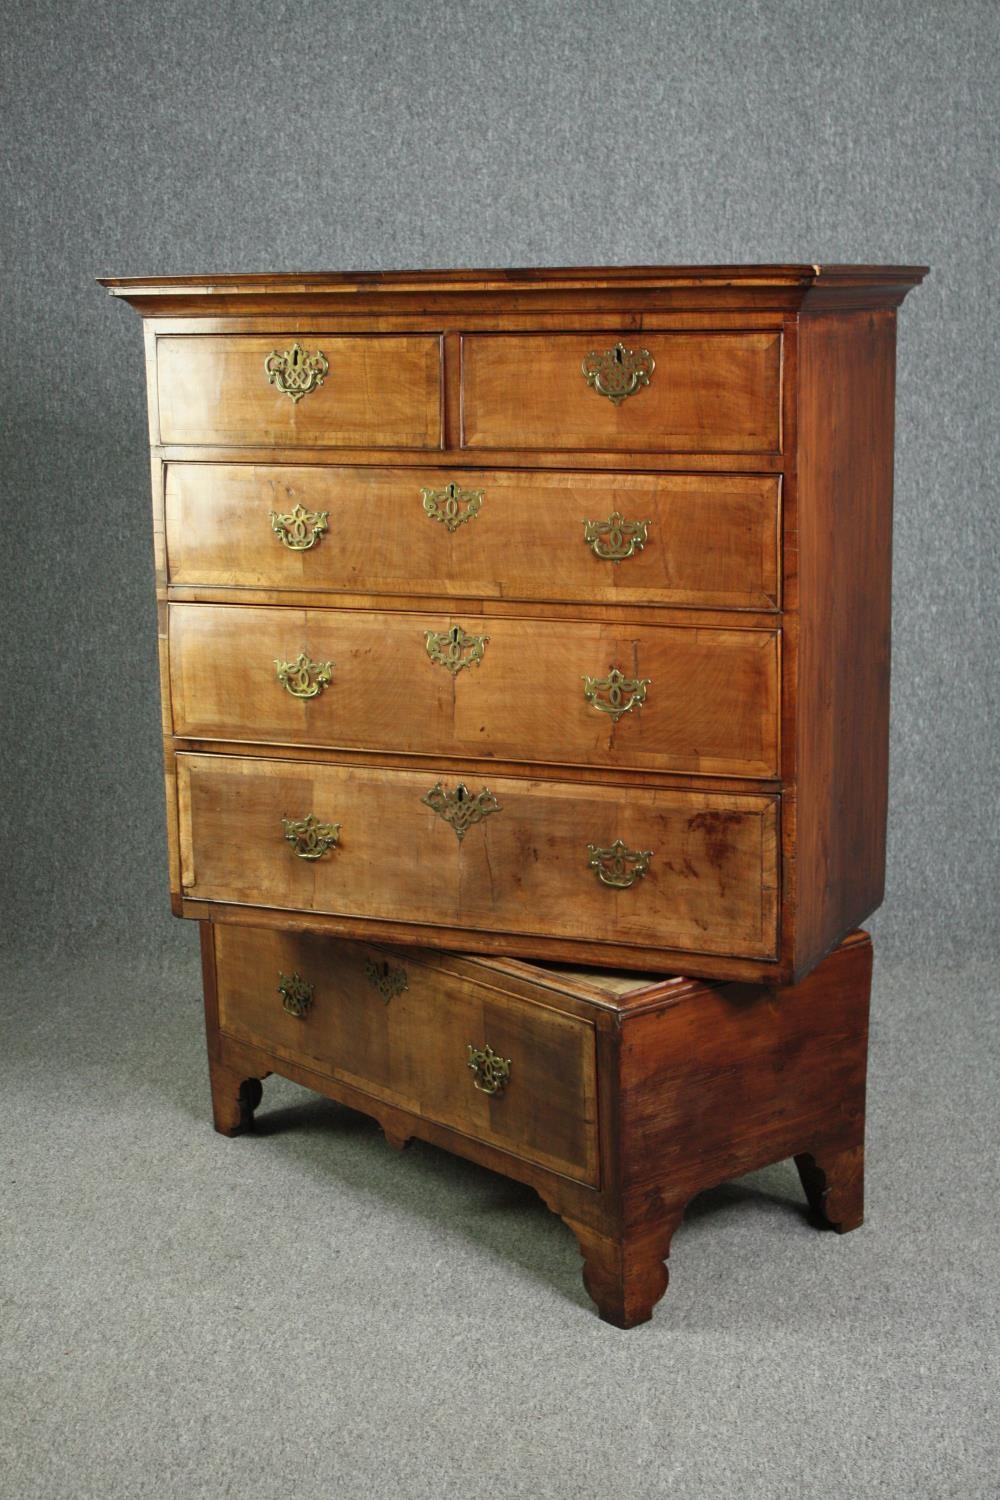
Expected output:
(400, 1028)
(672, 869)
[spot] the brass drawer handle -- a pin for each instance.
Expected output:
(616, 539)
(295, 372)
(460, 808)
(384, 979)
(296, 994)
(618, 372)
(303, 678)
(298, 529)
(492, 1072)
(618, 866)
(454, 649)
(616, 694)
(446, 505)
(309, 837)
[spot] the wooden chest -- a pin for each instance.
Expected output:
(536, 615)
(618, 1097)
(529, 613)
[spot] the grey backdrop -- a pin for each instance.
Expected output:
(305, 1313)
(147, 138)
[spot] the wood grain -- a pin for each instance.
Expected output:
(711, 706)
(697, 1083)
(708, 392)
(412, 1052)
(712, 539)
(843, 553)
(711, 881)
(380, 392)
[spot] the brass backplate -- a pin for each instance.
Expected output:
(615, 539)
(615, 694)
(618, 866)
(385, 980)
(295, 372)
(454, 648)
(461, 808)
(452, 506)
(492, 1072)
(310, 838)
(296, 994)
(303, 678)
(298, 529)
(618, 372)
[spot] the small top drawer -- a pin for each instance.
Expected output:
(645, 392)
(308, 390)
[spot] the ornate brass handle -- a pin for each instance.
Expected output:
(460, 808)
(618, 866)
(447, 505)
(492, 1072)
(303, 678)
(294, 372)
(616, 694)
(299, 529)
(615, 539)
(296, 994)
(384, 979)
(454, 649)
(618, 372)
(309, 837)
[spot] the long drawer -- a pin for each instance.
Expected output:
(330, 390)
(418, 1036)
(684, 699)
(661, 868)
(645, 392)
(687, 539)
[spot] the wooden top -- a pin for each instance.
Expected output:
(778, 286)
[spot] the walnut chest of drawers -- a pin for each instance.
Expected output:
(537, 615)
(531, 613)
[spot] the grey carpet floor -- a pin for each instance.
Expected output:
(303, 1313)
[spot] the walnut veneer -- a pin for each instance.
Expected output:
(712, 547)
(541, 615)
(624, 1096)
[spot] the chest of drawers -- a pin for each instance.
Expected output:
(559, 600)
(535, 615)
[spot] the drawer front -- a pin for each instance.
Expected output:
(513, 855)
(700, 700)
(706, 393)
(710, 540)
(399, 1028)
(381, 391)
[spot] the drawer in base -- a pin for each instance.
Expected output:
(617, 1097)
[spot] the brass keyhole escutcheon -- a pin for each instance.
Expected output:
(452, 506)
(618, 372)
(454, 649)
(386, 981)
(461, 808)
(295, 372)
